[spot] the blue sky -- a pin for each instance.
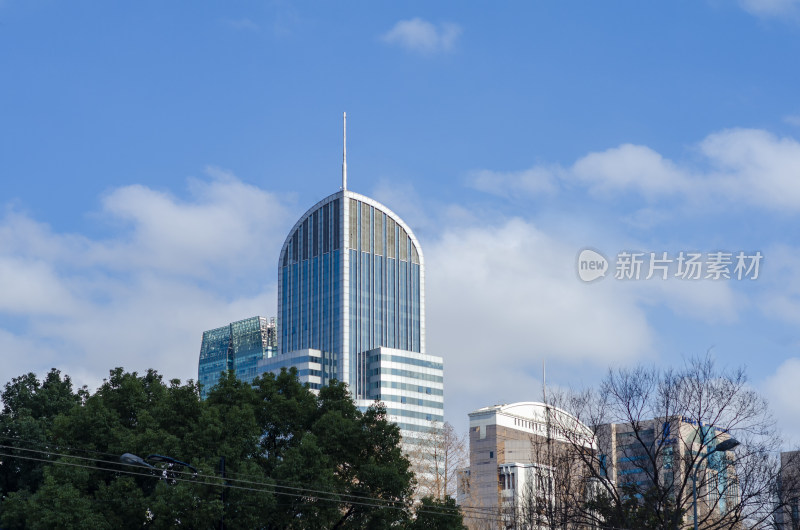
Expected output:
(154, 155)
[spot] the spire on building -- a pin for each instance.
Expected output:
(344, 155)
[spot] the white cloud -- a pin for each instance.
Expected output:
(22, 355)
(771, 8)
(32, 287)
(537, 181)
(211, 232)
(781, 389)
(24, 238)
(747, 166)
(140, 298)
(500, 298)
(780, 298)
(155, 323)
(709, 301)
(421, 36)
(629, 167)
(754, 166)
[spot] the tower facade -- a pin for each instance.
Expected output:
(351, 294)
(350, 279)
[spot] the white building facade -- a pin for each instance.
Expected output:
(517, 456)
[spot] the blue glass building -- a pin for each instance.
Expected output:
(240, 346)
(351, 306)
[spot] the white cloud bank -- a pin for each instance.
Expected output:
(512, 290)
(502, 297)
(142, 297)
(748, 166)
(421, 36)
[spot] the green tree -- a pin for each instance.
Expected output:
(351, 458)
(434, 514)
(293, 459)
(29, 409)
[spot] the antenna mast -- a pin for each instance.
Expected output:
(544, 383)
(344, 154)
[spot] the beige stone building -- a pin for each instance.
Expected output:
(520, 474)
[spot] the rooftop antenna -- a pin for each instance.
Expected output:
(344, 155)
(544, 384)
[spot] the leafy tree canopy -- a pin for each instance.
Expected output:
(291, 459)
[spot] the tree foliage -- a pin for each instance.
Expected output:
(292, 459)
(437, 514)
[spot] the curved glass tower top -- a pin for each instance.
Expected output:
(350, 279)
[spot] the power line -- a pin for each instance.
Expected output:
(475, 513)
(193, 475)
(305, 487)
(270, 488)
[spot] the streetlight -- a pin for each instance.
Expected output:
(131, 459)
(723, 446)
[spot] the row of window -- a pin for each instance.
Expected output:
(315, 235)
(289, 361)
(310, 303)
(409, 387)
(413, 427)
(411, 401)
(385, 304)
(508, 481)
(407, 373)
(527, 424)
(416, 415)
(406, 360)
(372, 230)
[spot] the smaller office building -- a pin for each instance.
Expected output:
(788, 514)
(239, 346)
(659, 451)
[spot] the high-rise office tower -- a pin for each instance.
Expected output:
(351, 302)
